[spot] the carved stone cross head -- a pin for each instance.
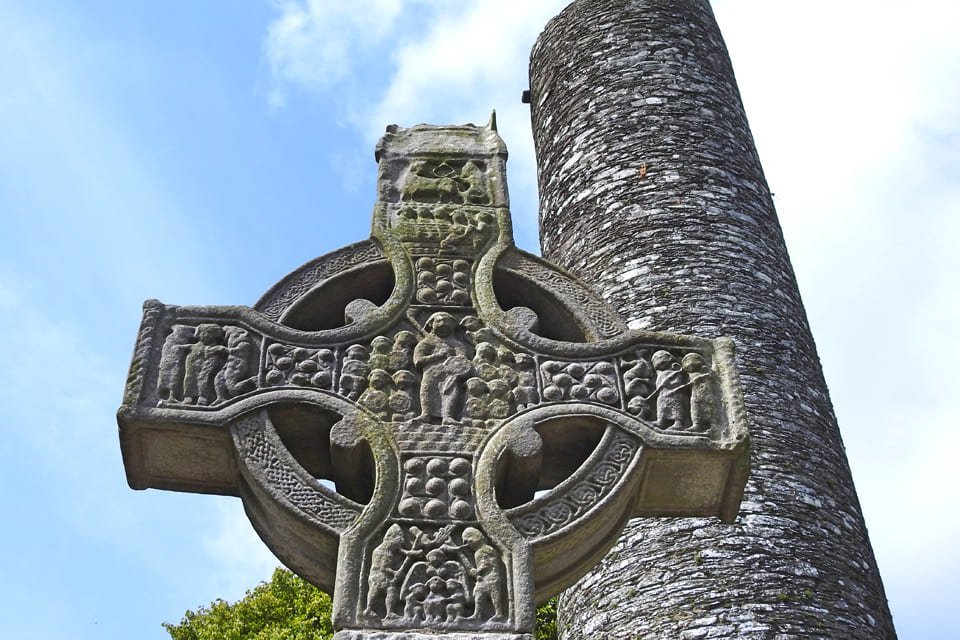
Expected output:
(437, 427)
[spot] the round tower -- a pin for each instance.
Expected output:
(652, 192)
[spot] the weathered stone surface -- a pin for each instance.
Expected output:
(440, 378)
(651, 189)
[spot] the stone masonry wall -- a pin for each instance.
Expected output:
(651, 191)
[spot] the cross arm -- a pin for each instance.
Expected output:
(197, 369)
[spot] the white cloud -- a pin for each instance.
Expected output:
(468, 54)
(317, 43)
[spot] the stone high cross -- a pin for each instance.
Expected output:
(488, 423)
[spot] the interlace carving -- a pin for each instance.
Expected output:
(437, 487)
(256, 447)
(580, 381)
(301, 281)
(586, 492)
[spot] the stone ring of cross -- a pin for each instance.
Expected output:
(435, 426)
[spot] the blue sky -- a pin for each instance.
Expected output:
(197, 152)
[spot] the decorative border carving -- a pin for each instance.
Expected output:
(283, 294)
(580, 493)
(275, 468)
(604, 321)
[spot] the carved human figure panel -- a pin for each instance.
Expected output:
(175, 348)
(446, 576)
(237, 376)
(442, 357)
(206, 364)
(703, 397)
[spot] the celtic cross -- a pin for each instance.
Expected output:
(438, 428)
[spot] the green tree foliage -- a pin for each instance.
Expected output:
(285, 608)
(547, 620)
(288, 608)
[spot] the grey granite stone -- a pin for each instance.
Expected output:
(488, 423)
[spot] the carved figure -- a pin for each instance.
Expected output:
(323, 378)
(434, 586)
(234, 378)
(476, 184)
(402, 397)
(485, 361)
(702, 392)
(456, 599)
(482, 224)
(438, 187)
(638, 385)
(376, 397)
(506, 366)
(475, 406)
(381, 583)
(175, 348)
(487, 574)
(671, 406)
(441, 357)
(476, 331)
(380, 348)
(203, 361)
(413, 609)
(353, 377)
(434, 605)
(525, 393)
(498, 404)
(401, 355)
